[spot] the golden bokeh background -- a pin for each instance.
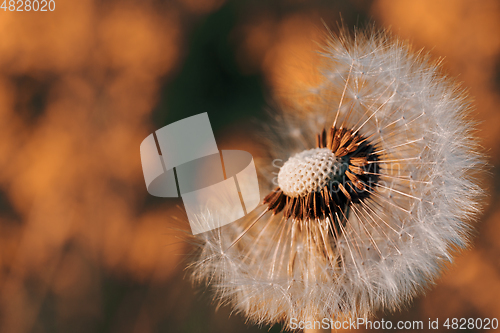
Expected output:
(83, 247)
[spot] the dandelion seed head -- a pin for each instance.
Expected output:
(376, 193)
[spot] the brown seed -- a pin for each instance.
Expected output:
(341, 152)
(345, 138)
(358, 161)
(329, 138)
(351, 176)
(336, 140)
(356, 170)
(348, 196)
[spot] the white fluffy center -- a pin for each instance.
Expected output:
(306, 172)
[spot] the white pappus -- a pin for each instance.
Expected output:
(378, 189)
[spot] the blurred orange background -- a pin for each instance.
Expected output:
(83, 247)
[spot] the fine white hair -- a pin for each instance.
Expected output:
(396, 240)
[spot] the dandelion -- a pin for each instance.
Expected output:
(377, 190)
